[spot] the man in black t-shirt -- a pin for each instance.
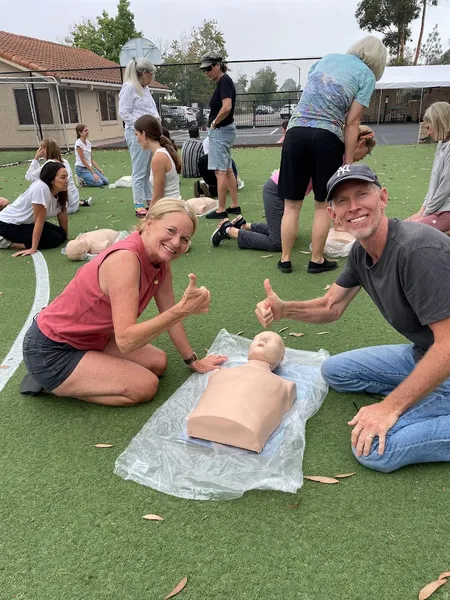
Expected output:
(222, 133)
(405, 269)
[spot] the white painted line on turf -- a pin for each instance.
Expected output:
(41, 298)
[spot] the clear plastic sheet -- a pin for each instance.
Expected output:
(162, 457)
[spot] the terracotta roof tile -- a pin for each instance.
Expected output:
(40, 55)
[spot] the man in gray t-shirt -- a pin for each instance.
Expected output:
(405, 269)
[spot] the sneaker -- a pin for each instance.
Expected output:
(87, 202)
(220, 233)
(240, 184)
(81, 182)
(285, 267)
(238, 222)
(4, 243)
(327, 265)
(234, 210)
(216, 215)
(205, 188)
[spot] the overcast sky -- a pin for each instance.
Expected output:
(253, 29)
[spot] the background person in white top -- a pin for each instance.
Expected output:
(136, 100)
(435, 210)
(87, 170)
(166, 164)
(49, 150)
(23, 224)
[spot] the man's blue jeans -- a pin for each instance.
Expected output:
(422, 433)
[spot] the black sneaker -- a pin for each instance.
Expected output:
(216, 215)
(220, 233)
(234, 210)
(285, 267)
(238, 222)
(327, 265)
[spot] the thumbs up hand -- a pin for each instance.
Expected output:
(271, 309)
(195, 300)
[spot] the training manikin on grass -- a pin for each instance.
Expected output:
(243, 405)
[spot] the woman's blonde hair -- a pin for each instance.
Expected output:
(367, 134)
(372, 52)
(52, 149)
(438, 114)
(166, 206)
(136, 68)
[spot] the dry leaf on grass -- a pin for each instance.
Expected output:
(104, 445)
(283, 329)
(266, 256)
(442, 575)
(344, 475)
(304, 252)
(327, 287)
(295, 505)
(321, 479)
(323, 332)
(177, 589)
(1, 293)
(153, 518)
(240, 332)
(429, 589)
(294, 334)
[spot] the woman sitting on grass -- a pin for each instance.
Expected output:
(166, 164)
(267, 236)
(24, 225)
(49, 150)
(88, 344)
(87, 170)
(435, 210)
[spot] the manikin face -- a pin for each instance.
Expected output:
(166, 238)
(357, 207)
(268, 347)
(61, 181)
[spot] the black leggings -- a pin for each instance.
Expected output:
(210, 176)
(51, 237)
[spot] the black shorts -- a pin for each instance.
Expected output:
(308, 153)
(50, 363)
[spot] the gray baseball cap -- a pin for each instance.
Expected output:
(210, 58)
(346, 172)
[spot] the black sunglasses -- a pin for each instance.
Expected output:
(208, 69)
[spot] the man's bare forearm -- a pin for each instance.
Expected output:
(317, 310)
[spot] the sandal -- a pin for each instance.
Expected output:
(140, 211)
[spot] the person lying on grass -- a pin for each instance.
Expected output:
(405, 269)
(87, 343)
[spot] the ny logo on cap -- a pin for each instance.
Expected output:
(342, 170)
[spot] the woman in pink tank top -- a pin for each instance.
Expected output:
(88, 344)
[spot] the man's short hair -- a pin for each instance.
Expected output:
(193, 132)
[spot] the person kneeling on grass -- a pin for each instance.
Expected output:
(88, 344)
(267, 236)
(405, 269)
(88, 172)
(24, 225)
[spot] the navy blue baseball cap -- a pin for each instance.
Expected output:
(347, 172)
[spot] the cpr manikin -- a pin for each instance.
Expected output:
(242, 406)
(92, 242)
(201, 205)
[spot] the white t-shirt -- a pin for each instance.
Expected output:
(132, 105)
(206, 145)
(172, 182)
(20, 212)
(86, 148)
(34, 170)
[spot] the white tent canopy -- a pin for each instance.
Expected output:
(428, 76)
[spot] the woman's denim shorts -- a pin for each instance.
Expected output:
(221, 140)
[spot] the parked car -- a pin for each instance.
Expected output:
(264, 110)
(287, 110)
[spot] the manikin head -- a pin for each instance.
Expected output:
(267, 347)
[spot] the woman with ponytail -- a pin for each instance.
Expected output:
(165, 165)
(135, 100)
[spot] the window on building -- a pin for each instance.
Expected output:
(43, 106)
(107, 102)
(69, 105)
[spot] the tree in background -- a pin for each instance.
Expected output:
(391, 18)
(445, 58)
(423, 4)
(289, 85)
(188, 83)
(241, 83)
(431, 52)
(107, 35)
(263, 84)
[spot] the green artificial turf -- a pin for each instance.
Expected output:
(72, 530)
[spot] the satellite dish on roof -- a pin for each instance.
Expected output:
(139, 48)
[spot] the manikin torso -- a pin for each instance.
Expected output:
(242, 406)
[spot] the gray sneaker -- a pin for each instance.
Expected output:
(4, 243)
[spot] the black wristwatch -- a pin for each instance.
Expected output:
(191, 359)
